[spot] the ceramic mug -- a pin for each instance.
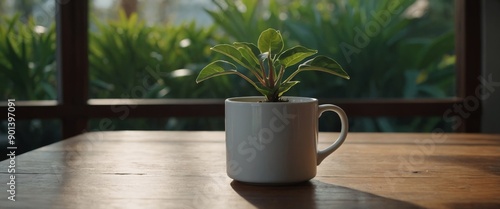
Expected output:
(276, 143)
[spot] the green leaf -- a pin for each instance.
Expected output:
(286, 86)
(233, 53)
(271, 41)
(247, 53)
(255, 49)
(294, 55)
(221, 67)
(216, 68)
(263, 90)
(227, 50)
(323, 64)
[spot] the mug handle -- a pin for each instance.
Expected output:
(322, 154)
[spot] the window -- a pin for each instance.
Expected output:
(402, 49)
(79, 63)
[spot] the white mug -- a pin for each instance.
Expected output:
(276, 143)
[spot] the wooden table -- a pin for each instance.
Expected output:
(160, 169)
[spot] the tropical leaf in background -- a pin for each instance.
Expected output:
(28, 72)
(386, 52)
(27, 64)
(240, 19)
(129, 59)
(119, 53)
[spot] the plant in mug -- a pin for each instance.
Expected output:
(267, 62)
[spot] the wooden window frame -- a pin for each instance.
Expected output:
(75, 108)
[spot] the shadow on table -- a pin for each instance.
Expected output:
(482, 205)
(313, 194)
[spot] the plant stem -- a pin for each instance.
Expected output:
(247, 79)
(266, 81)
(259, 78)
(271, 74)
(273, 97)
(280, 75)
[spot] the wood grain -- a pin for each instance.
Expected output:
(160, 169)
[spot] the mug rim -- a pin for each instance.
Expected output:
(258, 99)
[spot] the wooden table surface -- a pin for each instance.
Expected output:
(160, 169)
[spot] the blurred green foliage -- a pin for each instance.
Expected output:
(27, 61)
(28, 72)
(387, 52)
